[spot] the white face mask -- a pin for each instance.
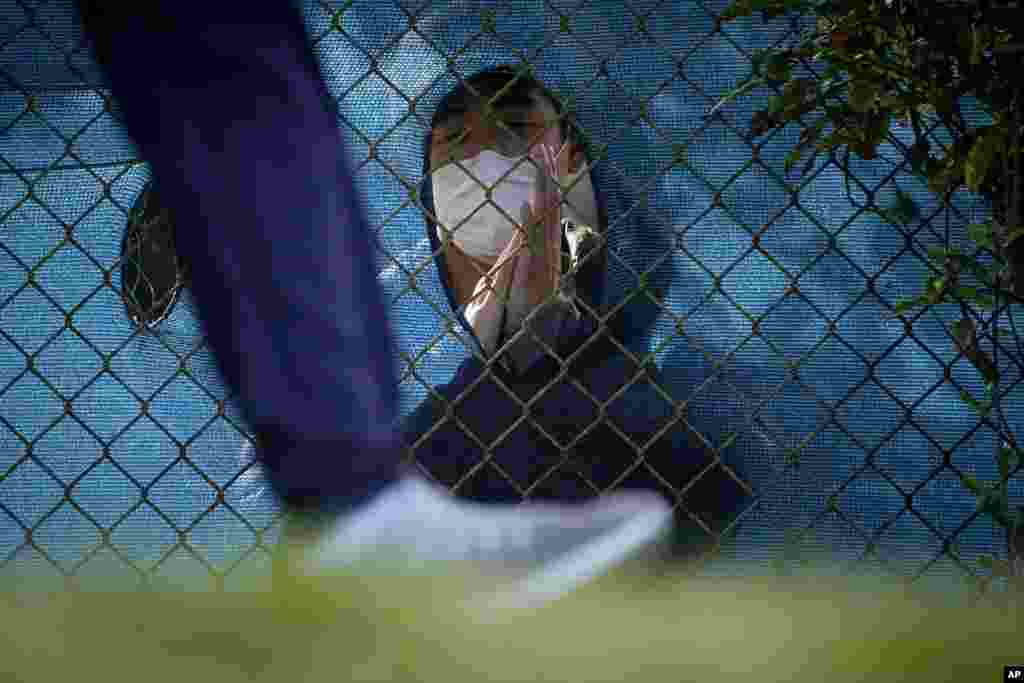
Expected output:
(486, 233)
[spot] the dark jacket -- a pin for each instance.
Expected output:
(487, 446)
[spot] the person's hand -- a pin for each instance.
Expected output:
(538, 270)
(528, 271)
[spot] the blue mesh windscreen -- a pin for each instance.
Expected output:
(683, 198)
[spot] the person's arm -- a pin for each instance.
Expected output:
(464, 271)
(487, 309)
(526, 275)
(540, 266)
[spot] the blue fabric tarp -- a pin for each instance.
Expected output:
(682, 225)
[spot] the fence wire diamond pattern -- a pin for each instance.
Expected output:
(764, 303)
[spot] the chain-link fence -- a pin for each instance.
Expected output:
(762, 303)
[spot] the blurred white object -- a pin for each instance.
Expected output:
(535, 552)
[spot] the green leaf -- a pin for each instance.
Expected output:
(980, 160)
(763, 4)
(941, 98)
(826, 143)
(904, 211)
(984, 301)
(757, 60)
(980, 407)
(1014, 233)
(995, 503)
(1000, 568)
(791, 159)
(793, 94)
(907, 304)
(778, 67)
(985, 561)
(937, 254)
(975, 406)
(954, 327)
(971, 294)
(980, 270)
(936, 176)
(979, 39)
(968, 293)
(741, 8)
(862, 94)
(1012, 455)
(981, 234)
(487, 19)
(969, 481)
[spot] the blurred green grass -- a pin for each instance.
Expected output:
(628, 626)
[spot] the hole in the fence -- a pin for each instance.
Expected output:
(152, 273)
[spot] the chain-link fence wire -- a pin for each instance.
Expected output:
(762, 301)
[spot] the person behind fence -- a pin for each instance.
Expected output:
(526, 268)
(230, 117)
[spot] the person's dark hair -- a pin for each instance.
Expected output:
(488, 83)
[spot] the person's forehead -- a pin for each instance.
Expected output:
(525, 99)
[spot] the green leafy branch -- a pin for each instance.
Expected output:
(878, 72)
(872, 62)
